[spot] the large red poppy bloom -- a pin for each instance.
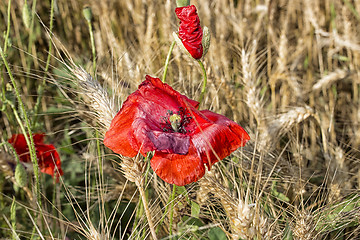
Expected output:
(190, 31)
(46, 154)
(158, 118)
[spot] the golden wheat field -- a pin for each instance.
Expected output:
(288, 72)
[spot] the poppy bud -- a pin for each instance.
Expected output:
(87, 13)
(26, 15)
(21, 176)
(190, 31)
(182, 3)
(206, 40)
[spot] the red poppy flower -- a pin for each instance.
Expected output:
(190, 31)
(46, 154)
(158, 118)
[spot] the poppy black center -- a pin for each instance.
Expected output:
(175, 121)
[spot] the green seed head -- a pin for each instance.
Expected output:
(206, 40)
(26, 15)
(21, 176)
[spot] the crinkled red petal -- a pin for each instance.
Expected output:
(48, 158)
(38, 138)
(217, 138)
(178, 169)
(190, 31)
(46, 154)
(155, 91)
(137, 126)
(19, 143)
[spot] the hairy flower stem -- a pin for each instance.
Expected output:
(204, 82)
(43, 83)
(28, 136)
(167, 61)
(13, 219)
(146, 208)
(5, 48)
(172, 209)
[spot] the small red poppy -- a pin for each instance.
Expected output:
(46, 154)
(190, 31)
(158, 118)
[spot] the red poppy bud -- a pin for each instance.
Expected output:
(190, 31)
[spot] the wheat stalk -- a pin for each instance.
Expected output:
(281, 124)
(95, 97)
(245, 222)
(330, 78)
(304, 228)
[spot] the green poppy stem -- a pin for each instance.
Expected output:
(172, 209)
(167, 61)
(28, 136)
(204, 82)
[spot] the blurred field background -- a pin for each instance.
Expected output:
(287, 71)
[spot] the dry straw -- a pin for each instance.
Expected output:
(243, 218)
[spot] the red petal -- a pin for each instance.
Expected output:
(19, 143)
(178, 169)
(218, 138)
(154, 90)
(117, 137)
(38, 138)
(48, 157)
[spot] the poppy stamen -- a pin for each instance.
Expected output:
(176, 122)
